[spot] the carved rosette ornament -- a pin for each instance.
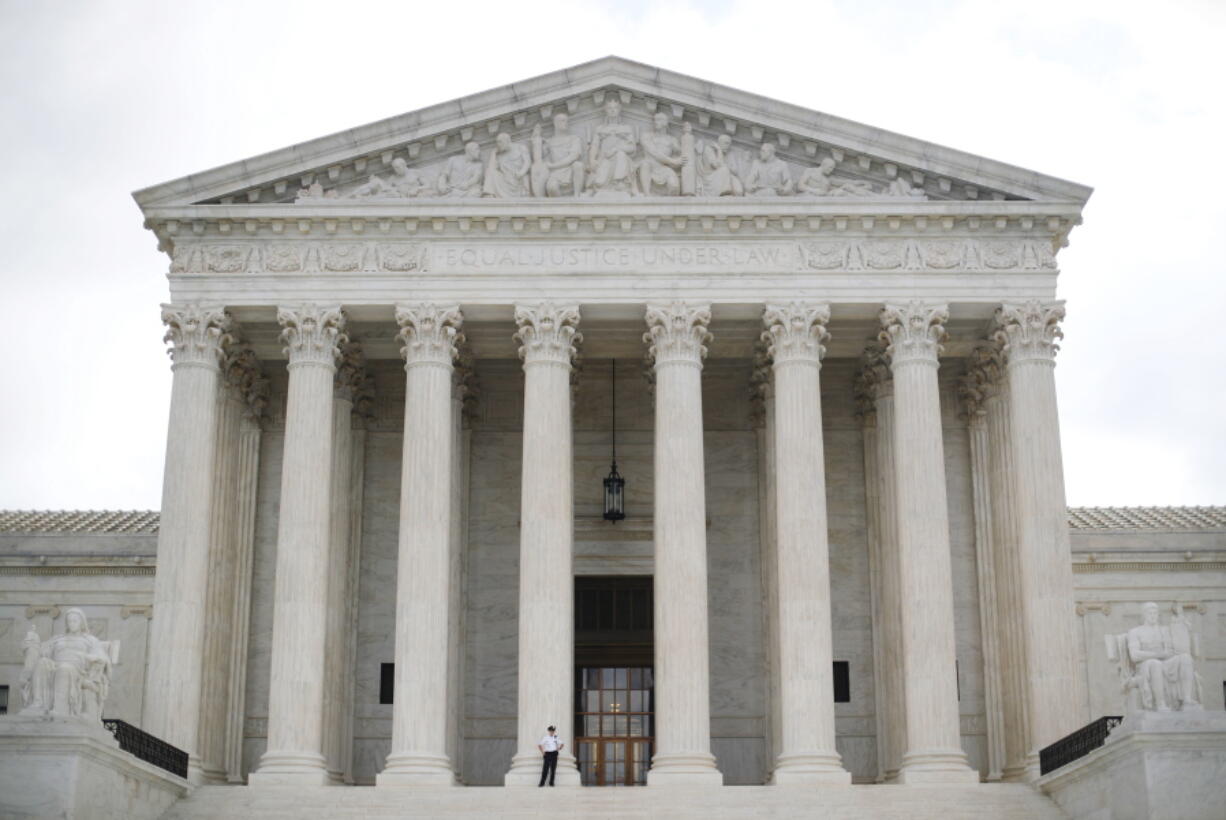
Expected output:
(350, 372)
(796, 332)
(198, 334)
(429, 333)
(677, 333)
(913, 332)
(1029, 331)
(312, 334)
(547, 333)
(872, 382)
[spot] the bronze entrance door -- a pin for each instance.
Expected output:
(614, 725)
(614, 687)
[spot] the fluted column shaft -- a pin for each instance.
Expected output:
(1011, 626)
(176, 639)
(245, 489)
(430, 334)
(678, 334)
(985, 563)
(1029, 333)
(546, 601)
(763, 393)
(349, 379)
(807, 754)
(893, 677)
(312, 335)
(934, 753)
(219, 609)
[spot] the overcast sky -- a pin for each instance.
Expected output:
(102, 98)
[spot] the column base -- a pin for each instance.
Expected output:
(939, 766)
(526, 771)
(417, 770)
(684, 770)
(290, 769)
(812, 769)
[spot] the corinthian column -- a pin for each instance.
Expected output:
(677, 334)
(312, 335)
(795, 333)
(198, 335)
(1056, 699)
(913, 333)
(547, 340)
(430, 334)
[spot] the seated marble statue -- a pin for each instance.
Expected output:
(557, 163)
(769, 175)
(462, 174)
(1161, 658)
(902, 187)
(659, 171)
(506, 174)
(715, 176)
(405, 183)
(68, 675)
(819, 181)
(610, 156)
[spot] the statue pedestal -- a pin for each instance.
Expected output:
(1155, 765)
(67, 768)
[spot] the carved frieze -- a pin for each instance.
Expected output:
(850, 254)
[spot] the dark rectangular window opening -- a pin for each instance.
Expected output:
(387, 681)
(842, 682)
(4, 700)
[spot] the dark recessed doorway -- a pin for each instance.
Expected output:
(614, 683)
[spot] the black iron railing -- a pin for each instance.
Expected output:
(1079, 744)
(147, 747)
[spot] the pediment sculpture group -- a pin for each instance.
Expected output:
(68, 675)
(617, 162)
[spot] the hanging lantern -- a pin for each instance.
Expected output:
(614, 484)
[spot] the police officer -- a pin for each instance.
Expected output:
(550, 744)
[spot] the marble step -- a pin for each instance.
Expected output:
(998, 801)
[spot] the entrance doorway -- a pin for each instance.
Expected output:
(614, 684)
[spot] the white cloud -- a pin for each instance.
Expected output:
(102, 98)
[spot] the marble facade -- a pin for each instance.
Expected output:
(836, 416)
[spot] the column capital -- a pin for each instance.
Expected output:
(795, 332)
(198, 334)
(351, 377)
(429, 333)
(246, 378)
(313, 334)
(1029, 331)
(982, 381)
(759, 384)
(913, 332)
(677, 333)
(547, 333)
(873, 382)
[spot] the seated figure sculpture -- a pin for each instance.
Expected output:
(557, 162)
(610, 156)
(663, 160)
(506, 175)
(462, 174)
(769, 175)
(68, 675)
(1161, 660)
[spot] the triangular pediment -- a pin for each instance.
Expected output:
(429, 154)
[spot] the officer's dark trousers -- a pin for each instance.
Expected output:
(549, 768)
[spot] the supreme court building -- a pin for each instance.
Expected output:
(393, 547)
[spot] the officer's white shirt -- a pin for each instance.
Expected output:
(550, 743)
